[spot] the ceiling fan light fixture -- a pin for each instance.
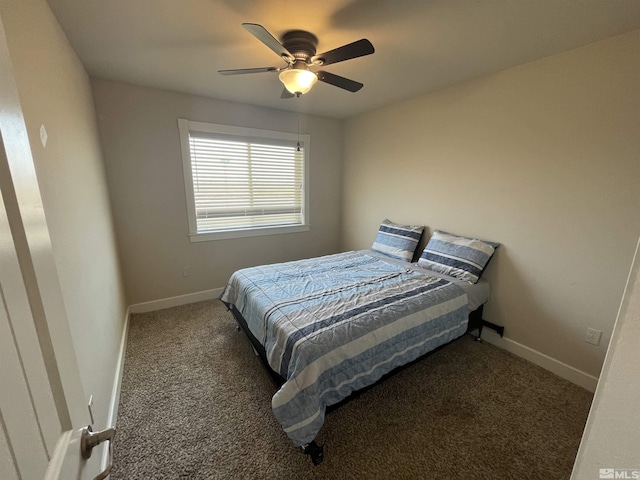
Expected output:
(298, 81)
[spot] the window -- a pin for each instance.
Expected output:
(243, 182)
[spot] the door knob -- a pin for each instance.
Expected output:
(90, 439)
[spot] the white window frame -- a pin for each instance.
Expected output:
(186, 126)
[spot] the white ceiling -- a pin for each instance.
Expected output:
(421, 45)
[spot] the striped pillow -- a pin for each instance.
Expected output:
(460, 257)
(397, 241)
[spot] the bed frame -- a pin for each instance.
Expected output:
(315, 451)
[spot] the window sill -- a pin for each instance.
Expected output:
(253, 232)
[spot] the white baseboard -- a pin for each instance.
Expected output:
(561, 369)
(117, 384)
(163, 303)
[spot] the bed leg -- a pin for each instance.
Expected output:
(498, 328)
(228, 307)
(315, 451)
(479, 337)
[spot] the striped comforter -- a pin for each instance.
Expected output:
(334, 324)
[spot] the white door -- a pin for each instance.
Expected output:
(42, 410)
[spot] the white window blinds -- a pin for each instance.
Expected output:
(243, 183)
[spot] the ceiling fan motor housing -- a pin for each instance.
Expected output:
(301, 44)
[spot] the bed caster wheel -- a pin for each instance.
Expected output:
(315, 451)
(238, 328)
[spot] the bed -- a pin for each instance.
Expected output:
(328, 326)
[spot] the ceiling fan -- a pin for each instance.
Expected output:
(298, 49)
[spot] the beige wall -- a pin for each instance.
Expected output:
(55, 91)
(141, 145)
(543, 158)
(611, 436)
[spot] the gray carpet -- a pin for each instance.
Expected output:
(196, 404)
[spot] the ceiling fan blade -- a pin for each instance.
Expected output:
(269, 40)
(286, 94)
(241, 71)
(339, 81)
(346, 52)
